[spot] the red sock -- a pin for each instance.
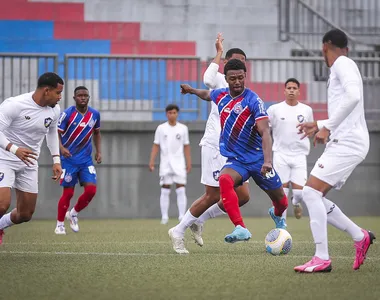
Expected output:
(86, 197)
(280, 206)
(230, 199)
(64, 203)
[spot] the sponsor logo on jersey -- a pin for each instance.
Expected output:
(68, 177)
(27, 118)
(300, 118)
(216, 175)
(83, 124)
(238, 108)
(1, 176)
(48, 122)
(227, 110)
(321, 166)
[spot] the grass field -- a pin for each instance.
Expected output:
(133, 259)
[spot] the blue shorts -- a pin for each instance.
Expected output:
(81, 172)
(270, 182)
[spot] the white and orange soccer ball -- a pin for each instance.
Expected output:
(278, 242)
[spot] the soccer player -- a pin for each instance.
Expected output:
(25, 120)
(348, 145)
(289, 152)
(76, 126)
(246, 142)
(172, 140)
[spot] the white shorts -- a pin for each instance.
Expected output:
(212, 163)
(169, 179)
(290, 168)
(335, 169)
(19, 176)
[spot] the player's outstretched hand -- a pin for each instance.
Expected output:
(322, 136)
(98, 158)
(308, 129)
(151, 167)
(26, 155)
(186, 89)
(219, 43)
(57, 172)
(266, 168)
(65, 152)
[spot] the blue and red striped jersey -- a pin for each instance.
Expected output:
(76, 132)
(239, 138)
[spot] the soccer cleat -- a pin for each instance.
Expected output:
(1, 236)
(164, 221)
(362, 248)
(315, 265)
(73, 221)
(196, 233)
(297, 210)
(239, 234)
(279, 221)
(177, 242)
(60, 229)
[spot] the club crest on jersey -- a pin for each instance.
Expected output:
(216, 175)
(238, 108)
(48, 122)
(300, 118)
(92, 123)
(178, 136)
(1, 176)
(68, 177)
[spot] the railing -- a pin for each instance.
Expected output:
(304, 25)
(20, 71)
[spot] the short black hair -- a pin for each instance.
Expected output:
(232, 51)
(81, 87)
(234, 64)
(292, 80)
(336, 37)
(171, 107)
(49, 79)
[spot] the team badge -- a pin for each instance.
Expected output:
(68, 177)
(178, 136)
(92, 123)
(216, 175)
(300, 118)
(1, 176)
(48, 122)
(238, 108)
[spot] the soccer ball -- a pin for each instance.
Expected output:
(278, 242)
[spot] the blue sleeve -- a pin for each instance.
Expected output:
(97, 124)
(63, 120)
(218, 94)
(257, 107)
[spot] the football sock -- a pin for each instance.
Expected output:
(318, 220)
(6, 221)
(286, 191)
(164, 203)
(64, 203)
(280, 206)
(85, 198)
(181, 201)
(338, 219)
(212, 212)
(187, 220)
(297, 197)
(59, 223)
(230, 199)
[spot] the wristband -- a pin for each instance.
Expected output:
(56, 160)
(13, 149)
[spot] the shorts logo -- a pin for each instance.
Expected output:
(300, 118)
(1, 176)
(321, 166)
(238, 108)
(48, 122)
(68, 177)
(216, 175)
(178, 136)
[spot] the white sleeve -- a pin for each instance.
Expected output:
(8, 112)
(270, 113)
(186, 137)
(157, 136)
(311, 116)
(348, 77)
(52, 140)
(210, 76)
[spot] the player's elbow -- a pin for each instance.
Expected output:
(353, 94)
(209, 82)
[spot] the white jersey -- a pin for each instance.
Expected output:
(172, 140)
(213, 80)
(284, 119)
(25, 124)
(345, 95)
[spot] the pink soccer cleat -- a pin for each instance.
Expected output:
(362, 248)
(1, 236)
(315, 265)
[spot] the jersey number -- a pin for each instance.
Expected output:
(270, 174)
(92, 170)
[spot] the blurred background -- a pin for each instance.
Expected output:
(133, 54)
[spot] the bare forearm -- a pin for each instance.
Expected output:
(187, 152)
(267, 146)
(203, 94)
(98, 142)
(154, 153)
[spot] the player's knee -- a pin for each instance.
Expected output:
(25, 216)
(90, 190)
(3, 208)
(68, 192)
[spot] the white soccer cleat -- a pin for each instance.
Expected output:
(60, 229)
(73, 221)
(196, 233)
(178, 243)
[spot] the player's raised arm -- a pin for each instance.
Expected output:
(203, 94)
(211, 73)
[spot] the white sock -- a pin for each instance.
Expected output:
(187, 220)
(5, 221)
(297, 197)
(164, 203)
(286, 191)
(181, 201)
(212, 212)
(60, 223)
(338, 219)
(73, 212)
(318, 220)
